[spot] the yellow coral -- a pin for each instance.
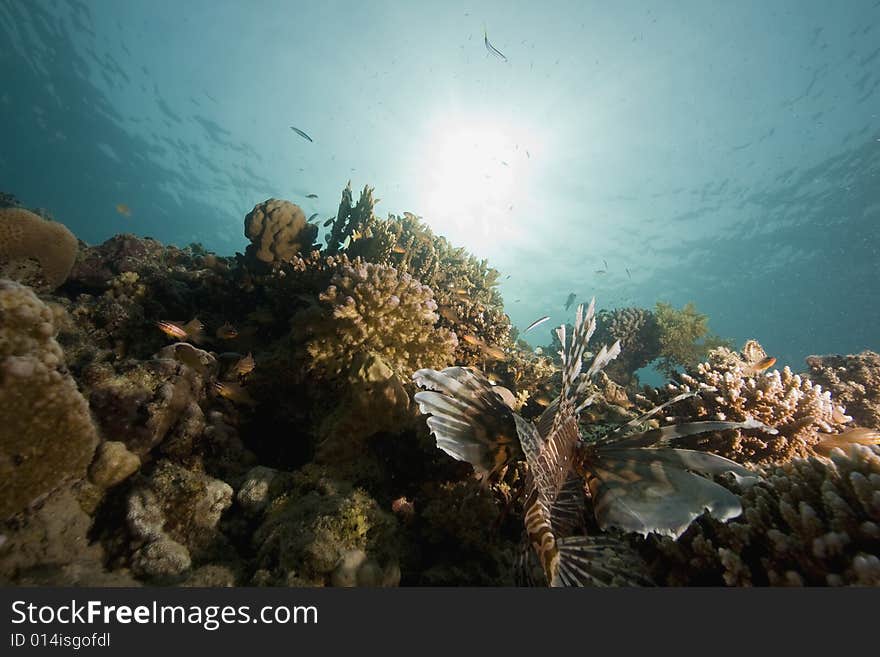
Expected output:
(46, 433)
(278, 230)
(374, 308)
(33, 250)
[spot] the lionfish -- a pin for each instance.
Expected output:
(637, 482)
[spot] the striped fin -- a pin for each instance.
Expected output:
(644, 417)
(598, 561)
(646, 490)
(665, 435)
(549, 460)
(469, 419)
(567, 511)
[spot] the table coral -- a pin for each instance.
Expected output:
(278, 230)
(811, 521)
(729, 389)
(375, 308)
(46, 433)
(854, 381)
(35, 251)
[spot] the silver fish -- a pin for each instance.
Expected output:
(537, 322)
(492, 49)
(301, 134)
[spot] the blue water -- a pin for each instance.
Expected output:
(723, 153)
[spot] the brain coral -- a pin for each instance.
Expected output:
(639, 336)
(46, 433)
(375, 308)
(811, 522)
(278, 230)
(730, 389)
(35, 251)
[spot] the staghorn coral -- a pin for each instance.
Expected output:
(278, 230)
(373, 308)
(35, 251)
(729, 389)
(46, 433)
(812, 521)
(854, 381)
(639, 335)
(684, 337)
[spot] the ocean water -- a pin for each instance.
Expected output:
(720, 153)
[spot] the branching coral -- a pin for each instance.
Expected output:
(812, 521)
(46, 433)
(35, 251)
(373, 308)
(730, 389)
(854, 381)
(684, 337)
(278, 231)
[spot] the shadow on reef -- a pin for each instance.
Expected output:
(248, 420)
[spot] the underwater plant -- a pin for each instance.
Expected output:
(637, 482)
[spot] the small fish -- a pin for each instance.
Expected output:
(234, 392)
(505, 163)
(313, 216)
(244, 366)
(461, 292)
(854, 436)
(493, 353)
(528, 156)
(601, 271)
(542, 400)
(506, 277)
(193, 330)
(537, 322)
(123, 209)
(605, 262)
(627, 273)
(397, 249)
(761, 365)
(449, 314)
(490, 48)
(472, 339)
(329, 221)
(311, 196)
(570, 300)
(227, 332)
(301, 134)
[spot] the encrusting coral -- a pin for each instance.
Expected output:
(33, 250)
(46, 433)
(812, 521)
(729, 388)
(278, 230)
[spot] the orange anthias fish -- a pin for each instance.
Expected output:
(762, 365)
(244, 366)
(234, 393)
(193, 330)
(123, 209)
(227, 332)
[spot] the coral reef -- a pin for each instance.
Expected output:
(320, 531)
(374, 308)
(729, 389)
(278, 230)
(854, 382)
(46, 433)
(639, 333)
(684, 337)
(812, 521)
(34, 251)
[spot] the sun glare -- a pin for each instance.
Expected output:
(475, 176)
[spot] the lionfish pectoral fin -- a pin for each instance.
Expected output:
(598, 561)
(645, 491)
